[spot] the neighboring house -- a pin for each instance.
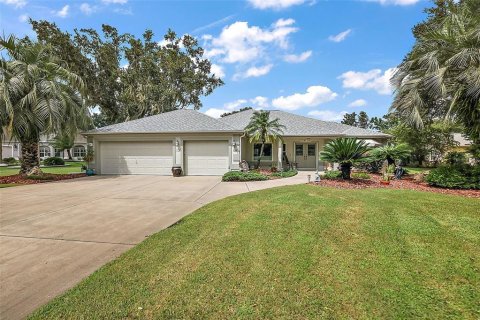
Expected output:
(202, 145)
(13, 148)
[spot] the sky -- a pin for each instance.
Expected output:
(315, 58)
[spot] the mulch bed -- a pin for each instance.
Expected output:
(406, 183)
(22, 179)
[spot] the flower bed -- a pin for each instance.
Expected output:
(407, 183)
(23, 179)
(257, 175)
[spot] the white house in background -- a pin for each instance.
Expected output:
(13, 148)
(202, 145)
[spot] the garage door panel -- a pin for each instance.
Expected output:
(206, 157)
(136, 158)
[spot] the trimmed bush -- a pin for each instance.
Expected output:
(10, 161)
(54, 161)
(285, 174)
(360, 175)
(332, 174)
(456, 177)
(373, 166)
(243, 176)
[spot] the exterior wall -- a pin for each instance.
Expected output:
(13, 148)
(177, 141)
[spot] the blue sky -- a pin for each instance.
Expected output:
(314, 58)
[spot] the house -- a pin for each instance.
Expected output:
(202, 145)
(13, 148)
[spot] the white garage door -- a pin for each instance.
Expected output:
(206, 158)
(136, 158)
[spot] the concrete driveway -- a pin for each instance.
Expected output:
(55, 234)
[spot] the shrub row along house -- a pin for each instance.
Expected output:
(12, 148)
(202, 145)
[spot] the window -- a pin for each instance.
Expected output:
(44, 152)
(299, 150)
(311, 150)
(267, 151)
(79, 151)
(59, 153)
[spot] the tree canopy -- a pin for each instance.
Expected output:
(128, 77)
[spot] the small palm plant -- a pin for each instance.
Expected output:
(264, 130)
(345, 151)
(391, 152)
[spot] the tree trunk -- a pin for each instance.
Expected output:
(346, 169)
(390, 161)
(30, 156)
(69, 154)
(1, 144)
(261, 155)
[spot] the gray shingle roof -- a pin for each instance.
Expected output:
(183, 120)
(303, 126)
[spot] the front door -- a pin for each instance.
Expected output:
(305, 155)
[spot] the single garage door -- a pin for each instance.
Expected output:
(206, 158)
(136, 158)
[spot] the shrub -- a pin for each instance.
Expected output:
(457, 177)
(54, 161)
(10, 161)
(373, 166)
(40, 177)
(454, 158)
(360, 175)
(332, 174)
(285, 174)
(243, 176)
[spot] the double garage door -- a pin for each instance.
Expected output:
(200, 157)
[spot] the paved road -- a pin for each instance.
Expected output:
(53, 235)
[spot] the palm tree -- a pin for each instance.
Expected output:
(345, 151)
(441, 75)
(391, 152)
(262, 129)
(38, 95)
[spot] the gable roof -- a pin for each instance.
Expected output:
(303, 126)
(177, 121)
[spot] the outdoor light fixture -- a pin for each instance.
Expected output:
(235, 145)
(177, 144)
(15, 146)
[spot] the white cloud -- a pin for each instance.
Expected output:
(240, 43)
(234, 104)
(123, 11)
(23, 18)
(327, 115)
(341, 36)
(254, 72)
(370, 80)
(217, 70)
(314, 96)
(86, 8)
(275, 4)
(114, 1)
(15, 3)
(358, 103)
(297, 58)
(213, 24)
(63, 13)
(261, 102)
(396, 2)
(215, 112)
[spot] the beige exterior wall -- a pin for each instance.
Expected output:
(289, 142)
(177, 143)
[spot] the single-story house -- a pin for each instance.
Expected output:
(11, 148)
(202, 145)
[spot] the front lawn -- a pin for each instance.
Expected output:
(70, 167)
(293, 253)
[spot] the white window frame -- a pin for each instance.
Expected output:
(78, 154)
(42, 153)
(264, 157)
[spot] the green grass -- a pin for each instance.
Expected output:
(413, 170)
(7, 185)
(297, 252)
(72, 167)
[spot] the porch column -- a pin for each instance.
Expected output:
(280, 155)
